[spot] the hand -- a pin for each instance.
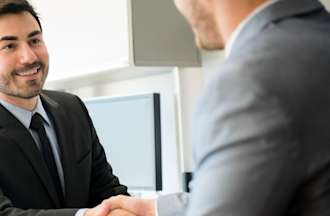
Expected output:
(120, 212)
(101, 210)
(140, 207)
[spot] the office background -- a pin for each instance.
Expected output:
(96, 49)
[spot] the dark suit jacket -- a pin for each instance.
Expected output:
(262, 127)
(25, 186)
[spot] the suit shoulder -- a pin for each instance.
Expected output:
(60, 96)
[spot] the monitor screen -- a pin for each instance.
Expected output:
(129, 130)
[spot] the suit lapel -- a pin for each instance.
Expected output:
(15, 130)
(62, 128)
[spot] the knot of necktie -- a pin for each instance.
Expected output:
(36, 122)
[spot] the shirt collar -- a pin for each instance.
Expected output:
(25, 116)
(240, 27)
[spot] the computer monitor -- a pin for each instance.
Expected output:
(129, 130)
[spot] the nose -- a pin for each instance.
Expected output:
(27, 54)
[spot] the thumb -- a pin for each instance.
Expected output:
(117, 202)
(103, 209)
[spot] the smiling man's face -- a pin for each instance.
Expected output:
(24, 60)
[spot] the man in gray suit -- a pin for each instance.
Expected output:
(262, 125)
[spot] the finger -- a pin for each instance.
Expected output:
(104, 208)
(117, 202)
(120, 212)
(136, 205)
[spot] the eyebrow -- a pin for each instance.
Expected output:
(34, 33)
(8, 38)
(12, 38)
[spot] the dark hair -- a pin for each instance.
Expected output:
(18, 6)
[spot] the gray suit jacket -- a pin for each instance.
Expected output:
(262, 126)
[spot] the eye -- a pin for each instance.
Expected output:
(9, 47)
(35, 41)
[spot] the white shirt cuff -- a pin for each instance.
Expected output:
(81, 212)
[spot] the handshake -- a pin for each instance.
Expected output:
(123, 206)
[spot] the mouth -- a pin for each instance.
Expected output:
(29, 72)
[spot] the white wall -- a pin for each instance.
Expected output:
(189, 82)
(84, 36)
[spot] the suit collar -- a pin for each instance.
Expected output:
(48, 102)
(241, 26)
(278, 11)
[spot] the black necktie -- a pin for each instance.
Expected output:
(47, 153)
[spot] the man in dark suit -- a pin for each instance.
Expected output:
(51, 161)
(261, 130)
